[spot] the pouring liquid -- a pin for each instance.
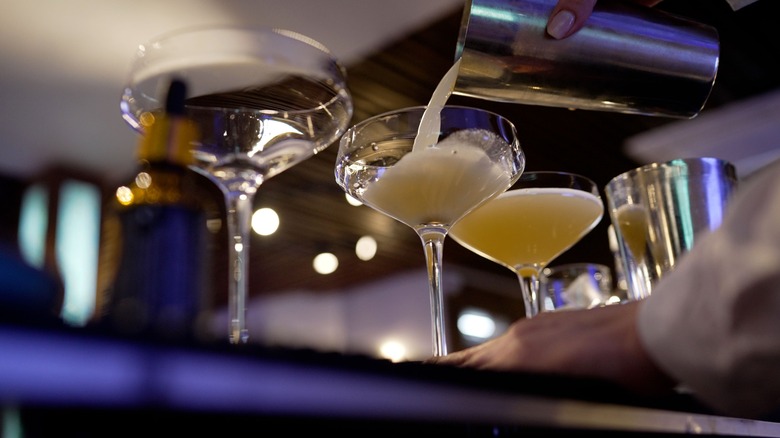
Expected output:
(430, 124)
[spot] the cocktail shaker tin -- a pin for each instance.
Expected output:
(627, 58)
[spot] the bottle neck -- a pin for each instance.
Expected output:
(168, 139)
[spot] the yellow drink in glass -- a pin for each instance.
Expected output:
(526, 227)
(632, 221)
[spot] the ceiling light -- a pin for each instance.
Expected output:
(265, 221)
(325, 263)
(365, 248)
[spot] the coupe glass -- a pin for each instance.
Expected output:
(473, 156)
(264, 100)
(525, 228)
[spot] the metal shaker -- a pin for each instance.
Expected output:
(627, 58)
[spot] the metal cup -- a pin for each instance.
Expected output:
(626, 59)
(660, 210)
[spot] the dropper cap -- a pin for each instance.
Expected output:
(169, 136)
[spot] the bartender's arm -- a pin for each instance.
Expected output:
(712, 324)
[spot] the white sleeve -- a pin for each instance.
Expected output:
(713, 323)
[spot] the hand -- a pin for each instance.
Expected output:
(596, 343)
(569, 16)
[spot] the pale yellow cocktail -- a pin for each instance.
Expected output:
(527, 227)
(632, 222)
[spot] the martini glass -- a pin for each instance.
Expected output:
(526, 227)
(473, 156)
(264, 100)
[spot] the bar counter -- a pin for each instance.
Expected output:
(80, 382)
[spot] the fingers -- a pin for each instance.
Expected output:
(454, 359)
(458, 358)
(568, 16)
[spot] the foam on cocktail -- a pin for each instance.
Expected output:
(437, 185)
(480, 138)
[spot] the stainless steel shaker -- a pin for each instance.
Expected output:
(627, 58)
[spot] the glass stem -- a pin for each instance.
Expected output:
(239, 213)
(433, 243)
(529, 286)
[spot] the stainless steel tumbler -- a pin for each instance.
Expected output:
(659, 211)
(627, 58)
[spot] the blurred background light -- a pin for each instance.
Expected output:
(365, 248)
(265, 221)
(351, 200)
(392, 350)
(475, 323)
(325, 263)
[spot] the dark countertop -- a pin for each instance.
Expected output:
(64, 376)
